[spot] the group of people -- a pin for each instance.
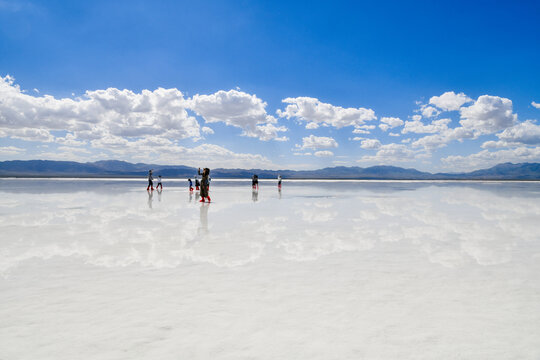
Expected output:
(204, 185)
(151, 182)
(255, 182)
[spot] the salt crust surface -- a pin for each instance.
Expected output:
(397, 270)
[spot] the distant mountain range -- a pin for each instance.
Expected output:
(115, 168)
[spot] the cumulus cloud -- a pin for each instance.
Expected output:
(429, 111)
(363, 129)
(28, 134)
(390, 123)
(488, 114)
(239, 109)
(535, 104)
(418, 127)
(11, 150)
(390, 153)
(97, 113)
(431, 142)
(450, 101)
(525, 133)
(318, 142)
(486, 158)
(323, 153)
(207, 130)
(150, 148)
(370, 144)
(313, 111)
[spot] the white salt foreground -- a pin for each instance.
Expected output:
(372, 270)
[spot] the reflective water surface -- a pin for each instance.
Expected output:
(103, 269)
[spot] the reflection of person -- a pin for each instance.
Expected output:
(150, 196)
(150, 180)
(190, 184)
(279, 181)
(205, 184)
(255, 181)
(203, 224)
(254, 195)
(159, 183)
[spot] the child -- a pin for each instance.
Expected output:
(159, 183)
(150, 181)
(279, 181)
(197, 183)
(190, 185)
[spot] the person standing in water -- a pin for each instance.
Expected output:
(150, 180)
(190, 185)
(255, 182)
(279, 181)
(205, 183)
(159, 183)
(197, 183)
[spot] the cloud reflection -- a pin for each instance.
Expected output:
(451, 225)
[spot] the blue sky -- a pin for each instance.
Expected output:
(432, 85)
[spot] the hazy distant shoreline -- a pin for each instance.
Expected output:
(122, 169)
(142, 179)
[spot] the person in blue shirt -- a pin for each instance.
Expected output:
(190, 184)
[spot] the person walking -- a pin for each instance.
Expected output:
(205, 184)
(150, 181)
(279, 182)
(159, 183)
(190, 184)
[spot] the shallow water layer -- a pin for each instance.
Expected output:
(101, 269)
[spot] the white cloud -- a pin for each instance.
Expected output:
(28, 134)
(150, 148)
(486, 159)
(370, 144)
(11, 150)
(98, 113)
(239, 109)
(312, 126)
(69, 140)
(390, 123)
(418, 127)
(324, 153)
(207, 130)
(318, 142)
(312, 111)
(535, 104)
(429, 111)
(390, 153)
(442, 139)
(450, 101)
(488, 114)
(394, 134)
(525, 133)
(363, 129)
